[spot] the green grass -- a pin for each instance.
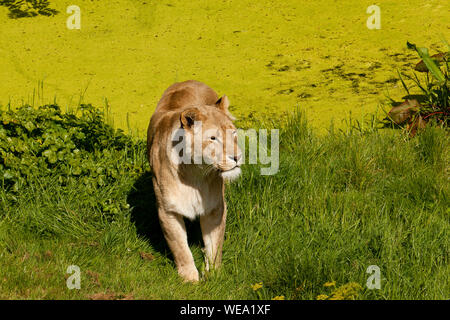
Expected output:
(339, 203)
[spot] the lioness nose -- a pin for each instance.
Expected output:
(236, 158)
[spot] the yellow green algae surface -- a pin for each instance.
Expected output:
(269, 57)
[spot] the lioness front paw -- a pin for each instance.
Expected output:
(189, 274)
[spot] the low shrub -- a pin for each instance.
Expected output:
(45, 141)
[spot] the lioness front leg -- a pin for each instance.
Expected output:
(213, 231)
(174, 231)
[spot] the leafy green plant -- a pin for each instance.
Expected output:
(45, 141)
(433, 105)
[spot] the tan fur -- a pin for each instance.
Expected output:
(192, 190)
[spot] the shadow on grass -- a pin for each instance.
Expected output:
(144, 215)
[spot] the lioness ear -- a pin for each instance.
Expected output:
(189, 116)
(223, 104)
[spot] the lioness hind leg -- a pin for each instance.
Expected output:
(213, 231)
(174, 231)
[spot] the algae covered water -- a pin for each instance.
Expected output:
(269, 57)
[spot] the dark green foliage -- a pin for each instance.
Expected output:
(28, 8)
(46, 142)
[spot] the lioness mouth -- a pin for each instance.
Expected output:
(230, 169)
(231, 174)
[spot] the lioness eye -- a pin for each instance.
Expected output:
(213, 138)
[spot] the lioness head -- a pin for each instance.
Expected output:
(211, 139)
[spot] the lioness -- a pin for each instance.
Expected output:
(192, 188)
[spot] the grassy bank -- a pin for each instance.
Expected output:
(339, 203)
